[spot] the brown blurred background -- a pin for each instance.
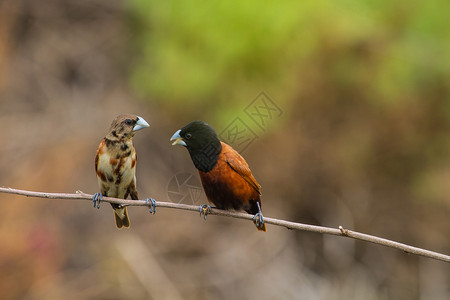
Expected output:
(362, 142)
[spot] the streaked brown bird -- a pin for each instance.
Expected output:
(115, 165)
(225, 175)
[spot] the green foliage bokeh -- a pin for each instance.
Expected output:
(226, 52)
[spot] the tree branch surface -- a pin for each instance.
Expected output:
(340, 231)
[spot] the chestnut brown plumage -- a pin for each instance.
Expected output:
(115, 164)
(225, 175)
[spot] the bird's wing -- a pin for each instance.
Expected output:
(97, 154)
(240, 166)
(132, 189)
(101, 176)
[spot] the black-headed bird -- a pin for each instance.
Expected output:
(225, 175)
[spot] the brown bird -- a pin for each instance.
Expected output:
(225, 175)
(115, 165)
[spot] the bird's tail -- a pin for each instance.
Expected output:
(262, 228)
(121, 217)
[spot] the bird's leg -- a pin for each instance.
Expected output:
(205, 209)
(151, 203)
(98, 197)
(258, 219)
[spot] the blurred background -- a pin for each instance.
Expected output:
(359, 137)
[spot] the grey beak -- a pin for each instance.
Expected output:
(140, 124)
(178, 140)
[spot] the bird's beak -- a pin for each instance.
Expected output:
(178, 140)
(140, 124)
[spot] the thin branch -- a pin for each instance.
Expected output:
(290, 225)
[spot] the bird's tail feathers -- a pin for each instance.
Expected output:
(262, 228)
(121, 217)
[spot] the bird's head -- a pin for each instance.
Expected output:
(202, 143)
(125, 126)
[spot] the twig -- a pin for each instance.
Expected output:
(290, 225)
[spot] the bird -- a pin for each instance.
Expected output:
(115, 165)
(225, 175)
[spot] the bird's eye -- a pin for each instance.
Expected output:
(188, 135)
(128, 121)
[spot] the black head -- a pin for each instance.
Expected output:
(202, 143)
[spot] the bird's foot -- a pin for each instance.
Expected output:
(258, 219)
(151, 203)
(205, 209)
(98, 197)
